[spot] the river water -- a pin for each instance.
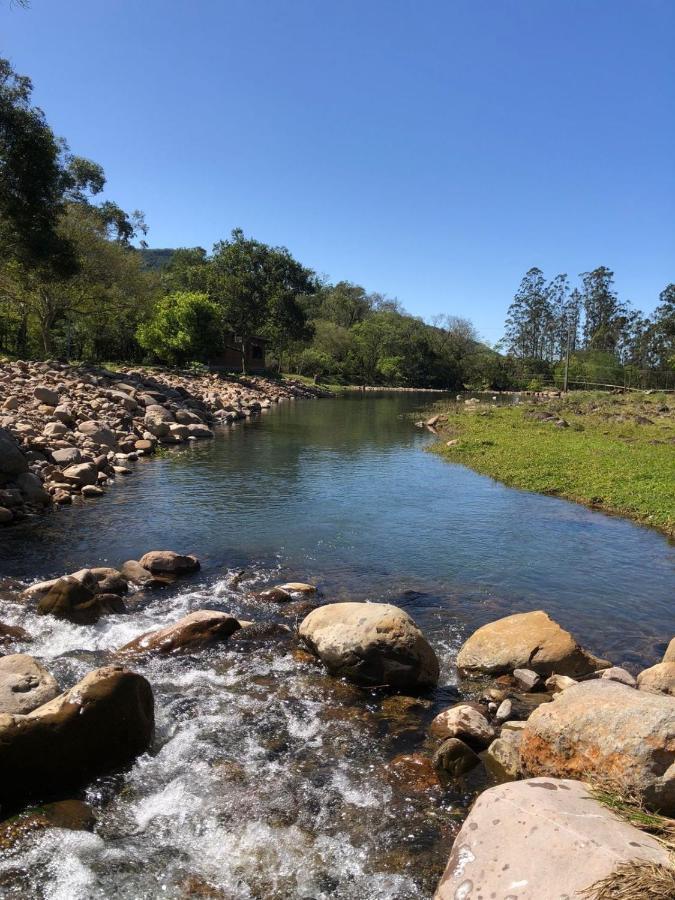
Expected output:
(268, 779)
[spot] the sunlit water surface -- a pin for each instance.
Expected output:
(267, 779)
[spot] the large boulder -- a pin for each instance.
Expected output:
(659, 679)
(134, 573)
(67, 456)
(541, 838)
(669, 655)
(12, 460)
(24, 684)
(166, 562)
(102, 723)
(610, 731)
(68, 598)
(526, 641)
(193, 632)
(371, 644)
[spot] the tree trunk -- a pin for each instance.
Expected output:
(243, 356)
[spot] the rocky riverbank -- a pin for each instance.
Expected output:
(531, 707)
(70, 431)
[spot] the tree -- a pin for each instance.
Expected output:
(605, 315)
(256, 287)
(31, 188)
(662, 331)
(529, 318)
(184, 326)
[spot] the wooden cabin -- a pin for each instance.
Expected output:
(230, 358)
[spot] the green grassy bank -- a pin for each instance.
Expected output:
(617, 453)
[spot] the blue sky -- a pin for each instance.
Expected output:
(432, 151)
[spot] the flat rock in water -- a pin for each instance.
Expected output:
(371, 644)
(607, 730)
(541, 839)
(194, 632)
(167, 562)
(526, 641)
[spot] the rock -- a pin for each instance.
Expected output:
(6, 516)
(199, 431)
(464, 722)
(71, 814)
(603, 729)
(274, 595)
(455, 757)
(414, 772)
(194, 632)
(10, 404)
(659, 679)
(525, 641)
(502, 757)
(46, 395)
(67, 456)
(70, 599)
(371, 644)
(102, 723)
(10, 634)
(24, 684)
(80, 474)
(99, 434)
(521, 836)
(669, 655)
(12, 460)
(526, 679)
(134, 572)
(32, 489)
(557, 683)
(297, 587)
(92, 490)
(615, 673)
(144, 446)
(109, 581)
(166, 562)
(504, 711)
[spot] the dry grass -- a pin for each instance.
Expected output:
(637, 880)
(631, 808)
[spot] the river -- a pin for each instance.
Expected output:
(267, 779)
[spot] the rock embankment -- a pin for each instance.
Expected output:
(69, 431)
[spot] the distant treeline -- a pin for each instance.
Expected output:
(74, 285)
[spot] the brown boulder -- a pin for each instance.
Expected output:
(371, 644)
(12, 460)
(194, 632)
(70, 599)
(609, 731)
(134, 572)
(102, 723)
(659, 679)
(526, 641)
(166, 562)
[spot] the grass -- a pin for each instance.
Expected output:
(618, 453)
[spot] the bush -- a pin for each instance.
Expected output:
(184, 326)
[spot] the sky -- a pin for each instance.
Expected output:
(431, 150)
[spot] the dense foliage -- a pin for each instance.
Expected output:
(607, 340)
(73, 284)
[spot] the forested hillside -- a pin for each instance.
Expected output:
(78, 281)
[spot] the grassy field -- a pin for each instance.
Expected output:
(617, 452)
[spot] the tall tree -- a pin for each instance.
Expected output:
(604, 314)
(256, 287)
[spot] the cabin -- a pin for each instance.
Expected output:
(229, 360)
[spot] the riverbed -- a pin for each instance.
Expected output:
(267, 779)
